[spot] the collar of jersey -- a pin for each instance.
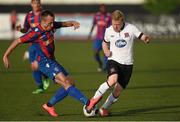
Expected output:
(123, 26)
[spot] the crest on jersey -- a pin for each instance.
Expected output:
(112, 36)
(36, 29)
(120, 43)
(126, 34)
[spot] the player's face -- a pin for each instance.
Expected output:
(117, 25)
(102, 9)
(47, 23)
(36, 5)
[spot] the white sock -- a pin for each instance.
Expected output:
(109, 101)
(102, 89)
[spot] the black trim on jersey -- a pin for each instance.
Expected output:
(108, 84)
(105, 41)
(139, 37)
(123, 26)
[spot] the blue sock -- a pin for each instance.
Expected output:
(105, 62)
(75, 93)
(98, 59)
(60, 95)
(38, 79)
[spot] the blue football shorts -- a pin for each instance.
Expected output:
(97, 45)
(51, 67)
(32, 53)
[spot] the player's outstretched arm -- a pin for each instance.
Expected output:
(145, 38)
(75, 24)
(106, 50)
(13, 45)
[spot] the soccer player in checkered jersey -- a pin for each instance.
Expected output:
(43, 37)
(118, 47)
(101, 20)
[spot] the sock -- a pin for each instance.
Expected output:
(109, 101)
(98, 59)
(60, 95)
(102, 89)
(105, 63)
(38, 79)
(75, 93)
(44, 76)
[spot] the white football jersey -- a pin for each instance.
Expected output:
(121, 43)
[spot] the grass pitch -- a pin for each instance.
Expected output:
(152, 94)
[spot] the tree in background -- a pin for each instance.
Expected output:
(161, 6)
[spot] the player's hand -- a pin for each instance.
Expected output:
(18, 27)
(108, 53)
(6, 61)
(146, 38)
(76, 25)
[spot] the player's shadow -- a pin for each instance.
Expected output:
(156, 70)
(139, 87)
(150, 110)
(154, 86)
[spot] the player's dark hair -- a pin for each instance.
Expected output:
(46, 13)
(35, 0)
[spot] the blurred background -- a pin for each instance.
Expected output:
(160, 18)
(153, 91)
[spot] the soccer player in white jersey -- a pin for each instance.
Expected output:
(118, 47)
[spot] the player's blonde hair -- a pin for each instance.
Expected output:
(117, 15)
(35, 0)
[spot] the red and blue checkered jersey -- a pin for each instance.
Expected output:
(102, 21)
(31, 20)
(42, 39)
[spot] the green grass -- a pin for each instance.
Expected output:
(152, 94)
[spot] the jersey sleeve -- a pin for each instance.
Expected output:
(26, 25)
(31, 36)
(106, 36)
(136, 32)
(57, 25)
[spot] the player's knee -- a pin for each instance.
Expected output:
(112, 79)
(70, 80)
(34, 66)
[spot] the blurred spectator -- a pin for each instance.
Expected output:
(13, 19)
(102, 20)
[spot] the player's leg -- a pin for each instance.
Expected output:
(60, 76)
(61, 93)
(67, 89)
(97, 47)
(101, 90)
(112, 80)
(112, 98)
(71, 89)
(123, 79)
(105, 63)
(58, 96)
(37, 75)
(42, 84)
